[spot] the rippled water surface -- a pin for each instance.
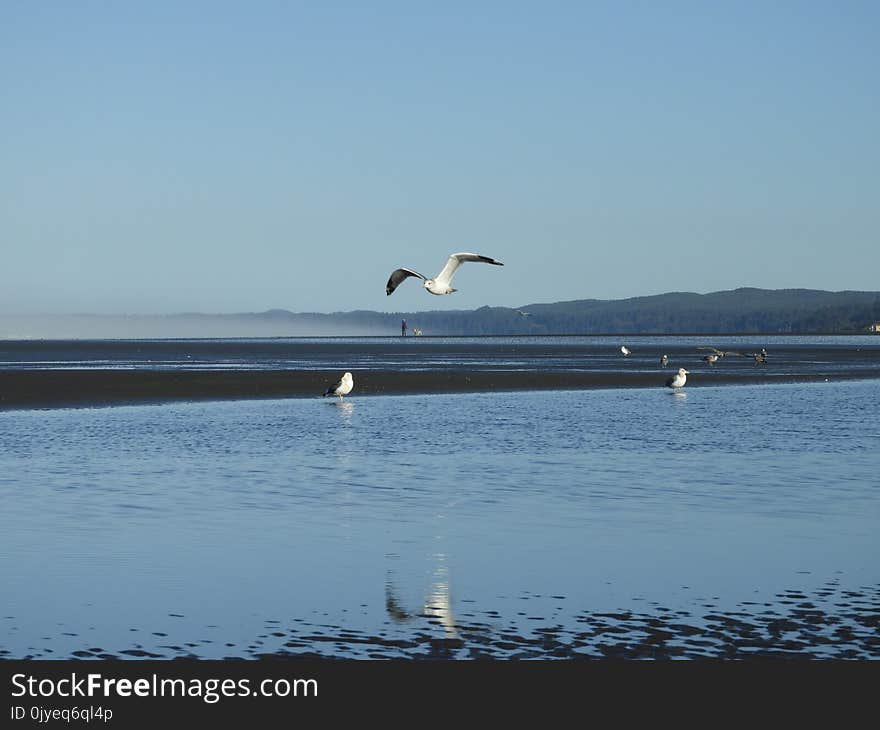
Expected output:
(721, 521)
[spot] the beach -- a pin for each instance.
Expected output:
(97, 387)
(58, 373)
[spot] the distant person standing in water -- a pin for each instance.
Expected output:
(403, 328)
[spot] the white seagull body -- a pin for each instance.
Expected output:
(442, 283)
(664, 361)
(678, 380)
(341, 388)
(625, 350)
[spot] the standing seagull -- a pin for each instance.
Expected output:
(711, 358)
(442, 283)
(343, 387)
(624, 350)
(664, 361)
(678, 380)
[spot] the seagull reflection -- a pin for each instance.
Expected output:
(437, 605)
(345, 409)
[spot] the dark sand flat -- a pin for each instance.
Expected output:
(97, 387)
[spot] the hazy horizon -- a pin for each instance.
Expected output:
(83, 325)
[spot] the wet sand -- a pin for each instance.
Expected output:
(97, 387)
(830, 622)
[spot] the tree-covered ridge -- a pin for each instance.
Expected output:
(737, 311)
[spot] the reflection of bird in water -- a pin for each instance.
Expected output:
(624, 350)
(342, 387)
(437, 605)
(678, 380)
(664, 361)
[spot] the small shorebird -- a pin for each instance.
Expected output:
(664, 361)
(711, 358)
(625, 350)
(678, 380)
(341, 388)
(760, 357)
(442, 283)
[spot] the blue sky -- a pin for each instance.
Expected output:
(228, 157)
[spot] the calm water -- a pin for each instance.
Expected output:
(723, 520)
(788, 355)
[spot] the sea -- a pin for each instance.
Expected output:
(722, 520)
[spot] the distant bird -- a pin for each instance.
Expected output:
(760, 357)
(664, 361)
(341, 388)
(625, 350)
(712, 358)
(442, 283)
(523, 314)
(678, 380)
(720, 353)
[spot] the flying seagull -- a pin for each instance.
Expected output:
(341, 388)
(625, 350)
(442, 283)
(678, 380)
(664, 361)
(523, 314)
(720, 353)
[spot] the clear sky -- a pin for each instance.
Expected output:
(240, 156)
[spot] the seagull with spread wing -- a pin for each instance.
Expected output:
(442, 283)
(719, 353)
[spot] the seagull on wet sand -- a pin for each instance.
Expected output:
(341, 388)
(442, 283)
(624, 350)
(678, 380)
(712, 358)
(760, 357)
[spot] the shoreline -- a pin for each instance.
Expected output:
(40, 389)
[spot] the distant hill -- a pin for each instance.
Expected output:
(744, 310)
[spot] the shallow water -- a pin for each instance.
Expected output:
(788, 355)
(720, 521)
